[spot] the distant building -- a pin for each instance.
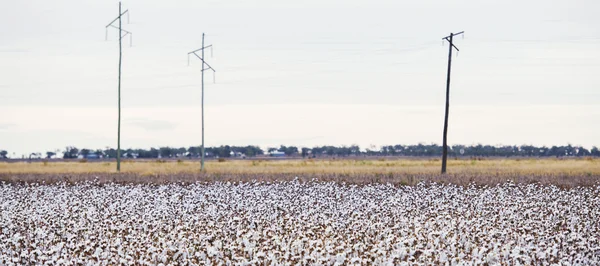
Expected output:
(237, 154)
(130, 155)
(35, 156)
(277, 154)
(91, 156)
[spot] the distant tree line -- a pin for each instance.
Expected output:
(486, 150)
(424, 150)
(165, 152)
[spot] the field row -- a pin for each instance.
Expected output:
(568, 172)
(294, 222)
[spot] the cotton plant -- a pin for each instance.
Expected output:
(289, 223)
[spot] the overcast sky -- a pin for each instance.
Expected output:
(300, 73)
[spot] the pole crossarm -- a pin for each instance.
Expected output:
(453, 34)
(200, 49)
(109, 24)
(447, 38)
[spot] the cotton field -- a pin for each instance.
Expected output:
(289, 223)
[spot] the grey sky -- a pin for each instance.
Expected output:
(300, 73)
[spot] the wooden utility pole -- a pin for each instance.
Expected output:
(445, 143)
(119, 123)
(121, 36)
(201, 57)
(202, 156)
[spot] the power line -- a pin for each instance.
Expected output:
(448, 38)
(208, 67)
(121, 36)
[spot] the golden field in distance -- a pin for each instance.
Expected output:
(561, 172)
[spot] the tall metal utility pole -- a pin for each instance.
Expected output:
(201, 57)
(448, 38)
(121, 36)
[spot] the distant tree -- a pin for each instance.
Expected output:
(355, 150)
(594, 151)
(581, 151)
(553, 151)
(222, 151)
(527, 150)
(181, 152)
(487, 150)
(249, 150)
(305, 152)
(388, 150)
(70, 152)
(3, 154)
(288, 150)
(329, 150)
(84, 152)
(49, 154)
(543, 151)
(383, 150)
(456, 150)
(194, 151)
(110, 153)
(253, 151)
(437, 150)
(343, 151)
(143, 153)
(127, 153)
(569, 150)
(166, 152)
(153, 153)
(317, 151)
(371, 150)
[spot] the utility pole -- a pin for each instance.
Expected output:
(121, 36)
(208, 67)
(448, 38)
